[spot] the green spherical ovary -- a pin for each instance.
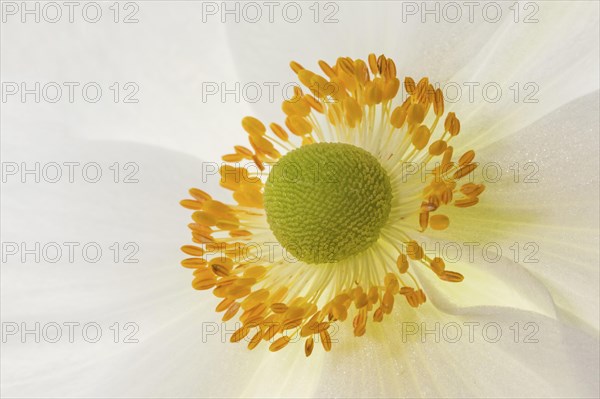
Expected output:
(327, 201)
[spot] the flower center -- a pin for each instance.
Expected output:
(327, 201)
(330, 202)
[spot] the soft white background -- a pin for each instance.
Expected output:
(169, 54)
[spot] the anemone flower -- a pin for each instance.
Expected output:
(432, 212)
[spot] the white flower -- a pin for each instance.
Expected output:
(169, 134)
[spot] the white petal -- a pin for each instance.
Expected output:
(546, 222)
(151, 293)
(496, 282)
(521, 60)
(171, 57)
(395, 363)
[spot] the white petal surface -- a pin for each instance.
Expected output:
(561, 363)
(169, 56)
(542, 195)
(537, 67)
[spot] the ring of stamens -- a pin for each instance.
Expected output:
(354, 103)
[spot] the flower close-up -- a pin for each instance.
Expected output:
(354, 199)
(345, 192)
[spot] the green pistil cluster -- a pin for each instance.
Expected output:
(327, 201)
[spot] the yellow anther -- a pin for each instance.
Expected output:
(240, 334)
(220, 270)
(361, 300)
(387, 303)
(325, 340)
(297, 125)
(243, 150)
(421, 137)
(439, 222)
(339, 311)
(231, 311)
(447, 158)
(414, 250)
(446, 196)
(466, 158)
(346, 65)
(464, 170)
(321, 87)
(453, 277)
(255, 298)
(247, 196)
(373, 295)
(199, 194)
(373, 94)
(296, 67)
(452, 124)
(467, 202)
(203, 284)
(373, 64)
(255, 272)
(438, 103)
(423, 220)
(416, 114)
(191, 204)
(255, 340)
(264, 146)
(305, 76)
(205, 219)
(437, 265)
(422, 92)
(353, 111)
(279, 131)
(438, 147)
(308, 346)
(391, 283)
(296, 106)
(314, 103)
(382, 64)
(216, 207)
(361, 71)
(224, 304)
(240, 233)
(378, 315)
(402, 263)
(391, 69)
(193, 263)
(327, 70)
(390, 89)
(232, 157)
(409, 85)
(472, 190)
(192, 250)
(253, 126)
